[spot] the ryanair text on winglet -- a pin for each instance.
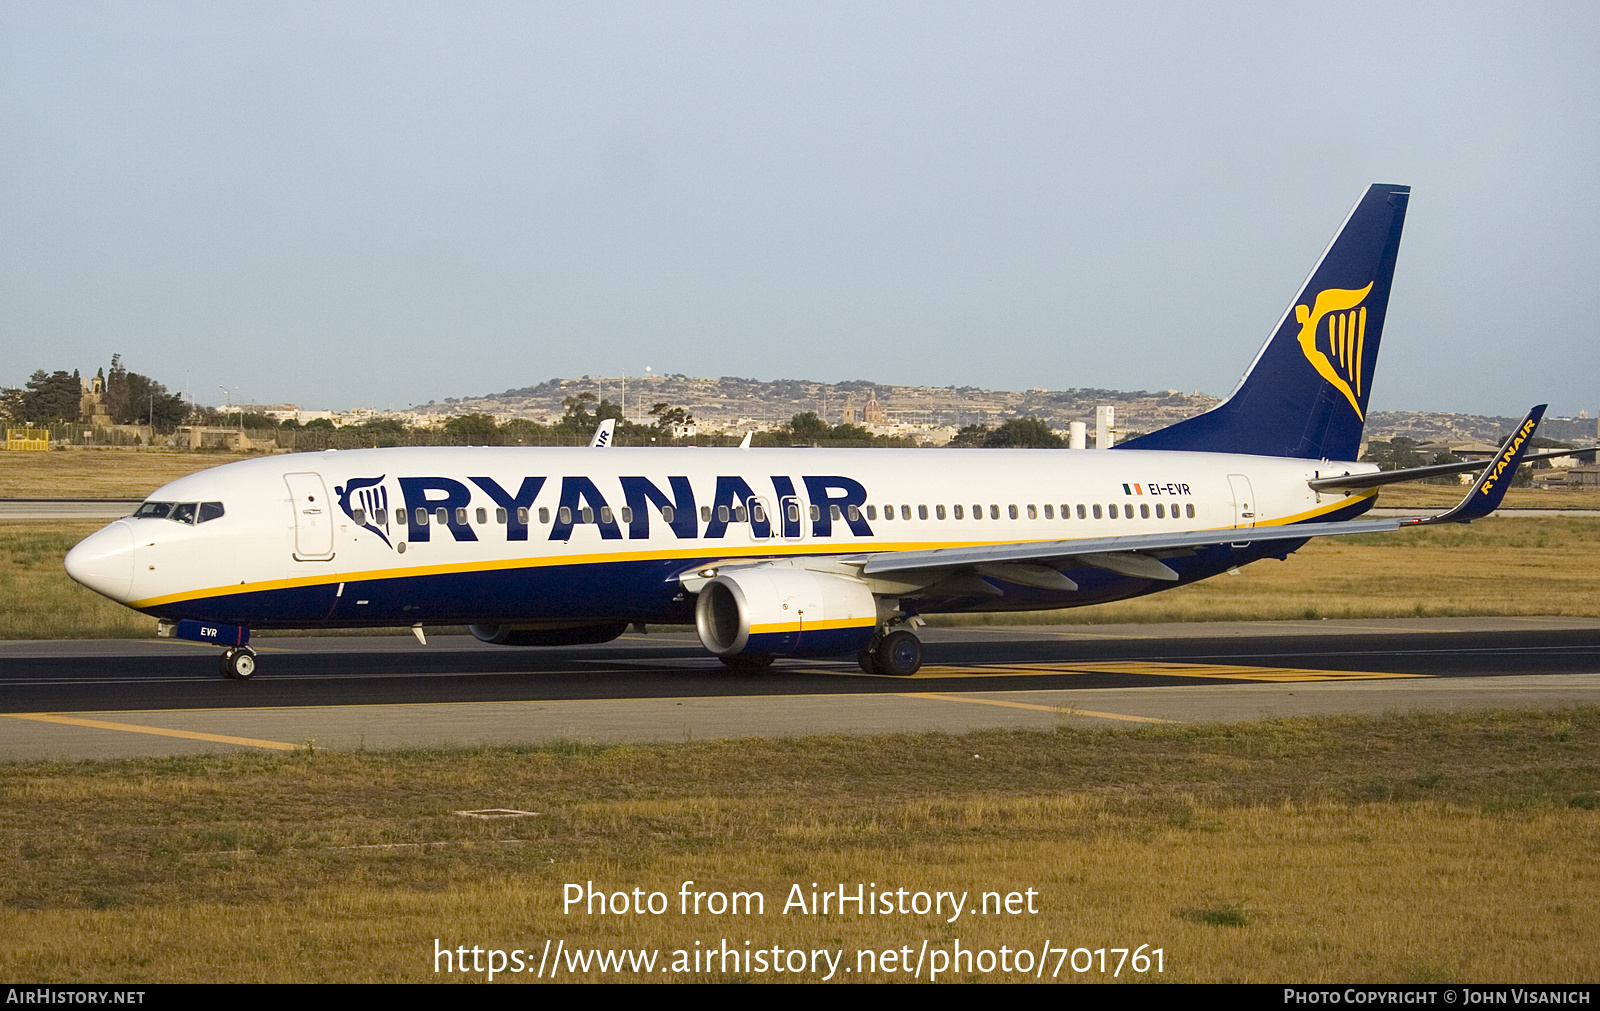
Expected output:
(1509, 454)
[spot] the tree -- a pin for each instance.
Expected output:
(970, 436)
(132, 399)
(807, 427)
(52, 396)
(472, 430)
(1024, 433)
(578, 420)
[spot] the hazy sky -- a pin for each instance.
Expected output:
(378, 204)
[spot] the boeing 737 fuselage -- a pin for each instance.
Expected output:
(783, 552)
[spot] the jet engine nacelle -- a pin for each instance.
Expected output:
(776, 610)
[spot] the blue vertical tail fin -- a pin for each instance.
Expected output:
(1306, 393)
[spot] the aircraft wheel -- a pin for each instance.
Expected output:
(868, 660)
(898, 654)
(745, 661)
(238, 662)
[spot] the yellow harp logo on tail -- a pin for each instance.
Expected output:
(1336, 350)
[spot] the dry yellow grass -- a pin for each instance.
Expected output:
(1424, 848)
(100, 473)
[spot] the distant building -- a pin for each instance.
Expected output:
(92, 403)
(873, 414)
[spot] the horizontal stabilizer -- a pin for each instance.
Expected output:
(1351, 482)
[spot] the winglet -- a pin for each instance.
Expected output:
(745, 442)
(602, 435)
(1490, 487)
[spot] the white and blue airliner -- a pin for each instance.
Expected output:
(788, 552)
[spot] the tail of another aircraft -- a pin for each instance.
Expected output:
(1306, 393)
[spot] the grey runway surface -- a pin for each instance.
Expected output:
(113, 698)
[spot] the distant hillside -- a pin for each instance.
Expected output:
(733, 403)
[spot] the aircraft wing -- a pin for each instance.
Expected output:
(1094, 550)
(1140, 554)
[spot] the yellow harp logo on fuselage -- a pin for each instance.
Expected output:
(1338, 360)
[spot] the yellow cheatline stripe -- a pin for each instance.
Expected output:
(1037, 708)
(134, 728)
(812, 626)
(1321, 510)
(699, 551)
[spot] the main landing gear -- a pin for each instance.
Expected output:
(238, 663)
(897, 653)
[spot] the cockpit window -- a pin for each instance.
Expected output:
(179, 512)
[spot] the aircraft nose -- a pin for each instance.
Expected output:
(103, 562)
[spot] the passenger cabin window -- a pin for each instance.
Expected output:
(1188, 509)
(938, 511)
(626, 514)
(994, 512)
(500, 516)
(1081, 515)
(853, 513)
(705, 514)
(422, 517)
(441, 516)
(666, 514)
(1049, 511)
(1096, 511)
(960, 513)
(905, 512)
(605, 514)
(1161, 511)
(359, 515)
(544, 514)
(483, 516)
(872, 512)
(1127, 512)
(1144, 510)
(461, 516)
(522, 515)
(834, 512)
(922, 512)
(564, 514)
(587, 513)
(722, 514)
(888, 512)
(740, 515)
(1011, 510)
(816, 513)
(1033, 513)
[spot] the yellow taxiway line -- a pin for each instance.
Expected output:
(1029, 705)
(135, 728)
